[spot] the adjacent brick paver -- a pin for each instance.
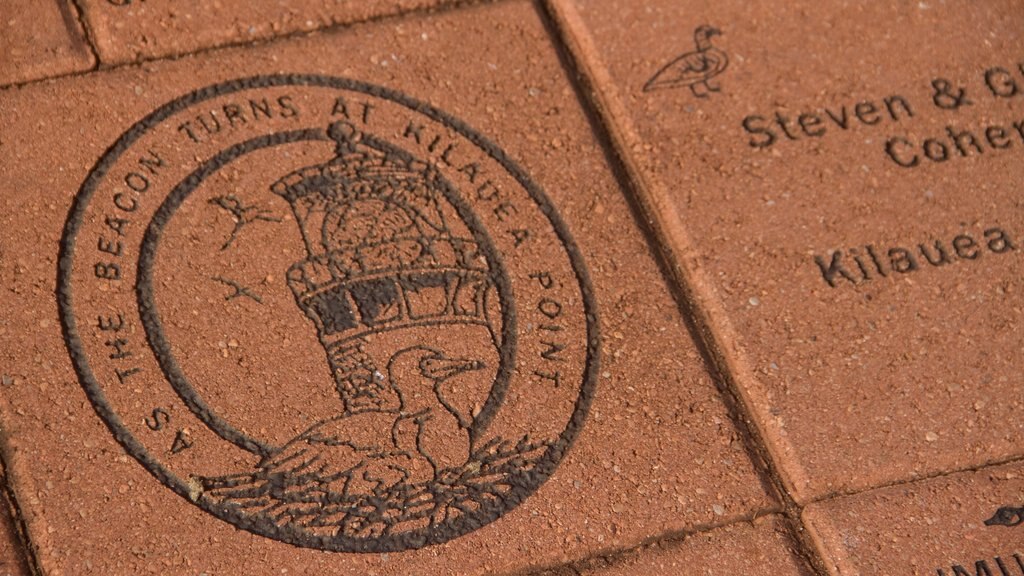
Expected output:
(128, 30)
(847, 221)
(932, 527)
(657, 453)
(759, 548)
(40, 38)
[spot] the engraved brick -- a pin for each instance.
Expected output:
(843, 216)
(962, 524)
(39, 39)
(656, 452)
(128, 30)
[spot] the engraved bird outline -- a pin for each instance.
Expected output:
(694, 69)
(414, 440)
(425, 422)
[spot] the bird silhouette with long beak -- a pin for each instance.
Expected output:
(364, 455)
(694, 69)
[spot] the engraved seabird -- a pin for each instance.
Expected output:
(694, 69)
(390, 280)
(315, 478)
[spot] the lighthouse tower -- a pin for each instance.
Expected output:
(390, 264)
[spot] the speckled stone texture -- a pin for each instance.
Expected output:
(761, 548)
(127, 30)
(39, 39)
(968, 523)
(12, 556)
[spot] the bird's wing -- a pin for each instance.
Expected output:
(685, 70)
(331, 479)
(315, 466)
(717, 60)
(324, 457)
(335, 446)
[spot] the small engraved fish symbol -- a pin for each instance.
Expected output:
(694, 69)
(1007, 516)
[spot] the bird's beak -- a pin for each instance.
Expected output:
(1006, 516)
(439, 367)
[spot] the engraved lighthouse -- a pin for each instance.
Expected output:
(392, 268)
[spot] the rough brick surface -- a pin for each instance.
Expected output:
(759, 548)
(966, 523)
(39, 39)
(128, 30)
(12, 557)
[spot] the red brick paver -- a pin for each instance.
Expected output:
(40, 38)
(756, 549)
(657, 453)
(127, 30)
(847, 222)
(966, 523)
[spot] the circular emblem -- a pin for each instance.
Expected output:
(327, 313)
